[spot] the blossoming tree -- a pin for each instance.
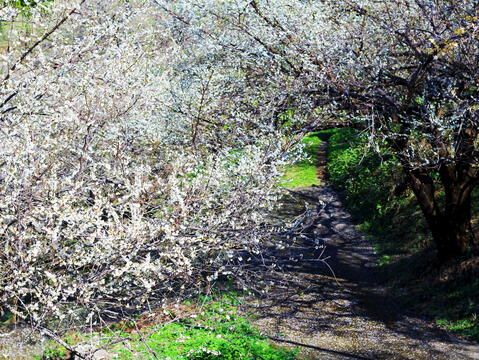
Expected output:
(124, 176)
(141, 140)
(404, 71)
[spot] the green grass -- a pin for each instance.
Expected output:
(304, 173)
(214, 331)
(468, 327)
(454, 305)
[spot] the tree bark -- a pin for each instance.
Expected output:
(450, 224)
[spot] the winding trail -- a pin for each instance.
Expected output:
(327, 299)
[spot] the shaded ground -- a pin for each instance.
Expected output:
(328, 299)
(13, 345)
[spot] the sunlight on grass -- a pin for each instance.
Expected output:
(304, 173)
(468, 327)
(214, 330)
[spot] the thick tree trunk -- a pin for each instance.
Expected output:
(452, 233)
(450, 224)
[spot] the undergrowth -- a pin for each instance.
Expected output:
(211, 330)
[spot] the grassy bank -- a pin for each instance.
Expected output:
(305, 172)
(375, 192)
(207, 329)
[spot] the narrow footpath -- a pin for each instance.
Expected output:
(327, 300)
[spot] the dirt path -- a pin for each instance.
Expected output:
(327, 299)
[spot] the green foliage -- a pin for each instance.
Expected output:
(363, 175)
(25, 7)
(305, 172)
(54, 353)
(468, 327)
(218, 333)
(287, 118)
(233, 339)
(454, 304)
(214, 332)
(21, 4)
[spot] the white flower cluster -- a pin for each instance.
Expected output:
(202, 351)
(124, 176)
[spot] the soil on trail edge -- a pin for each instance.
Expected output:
(326, 299)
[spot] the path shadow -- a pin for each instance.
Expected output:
(325, 292)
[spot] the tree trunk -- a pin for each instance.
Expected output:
(452, 233)
(450, 225)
